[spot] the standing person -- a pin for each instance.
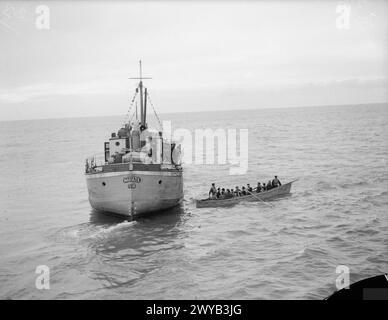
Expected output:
(212, 191)
(276, 182)
(258, 189)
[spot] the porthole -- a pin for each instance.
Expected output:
(104, 184)
(160, 182)
(117, 143)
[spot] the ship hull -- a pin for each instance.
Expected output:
(135, 193)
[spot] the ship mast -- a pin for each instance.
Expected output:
(143, 99)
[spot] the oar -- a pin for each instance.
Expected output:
(268, 204)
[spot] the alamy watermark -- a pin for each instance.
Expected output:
(42, 281)
(42, 21)
(354, 13)
(343, 279)
(11, 15)
(208, 146)
(343, 11)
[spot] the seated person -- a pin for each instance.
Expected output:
(269, 185)
(218, 194)
(238, 191)
(249, 188)
(264, 187)
(243, 191)
(258, 188)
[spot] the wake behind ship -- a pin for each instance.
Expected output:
(141, 171)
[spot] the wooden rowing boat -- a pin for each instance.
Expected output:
(283, 190)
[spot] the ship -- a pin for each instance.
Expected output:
(140, 171)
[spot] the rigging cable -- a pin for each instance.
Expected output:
(127, 119)
(153, 108)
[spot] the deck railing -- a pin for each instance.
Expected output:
(94, 164)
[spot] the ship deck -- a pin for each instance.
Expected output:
(121, 167)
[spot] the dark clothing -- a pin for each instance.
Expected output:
(250, 189)
(276, 183)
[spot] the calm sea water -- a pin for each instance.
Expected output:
(336, 215)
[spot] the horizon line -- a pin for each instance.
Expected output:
(207, 111)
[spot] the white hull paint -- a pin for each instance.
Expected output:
(135, 193)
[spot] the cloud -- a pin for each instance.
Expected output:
(199, 54)
(45, 90)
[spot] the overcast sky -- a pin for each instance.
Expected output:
(202, 56)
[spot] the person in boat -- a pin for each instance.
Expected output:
(249, 188)
(223, 193)
(238, 191)
(218, 194)
(232, 192)
(259, 187)
(228, 194)
(243, 191)
(212, 191)
(269, 185)
(264, 187)
(276, 182)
